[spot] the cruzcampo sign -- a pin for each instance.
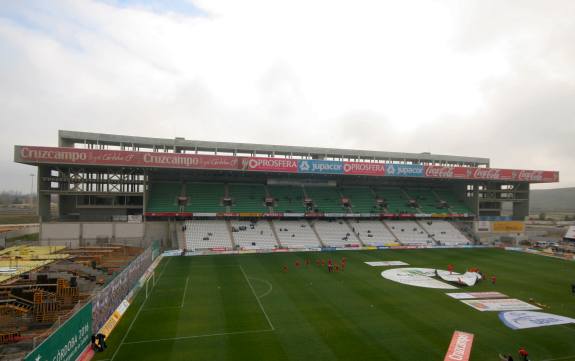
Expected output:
(68, 342)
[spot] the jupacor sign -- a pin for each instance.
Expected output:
(519, 320)
(68, 342)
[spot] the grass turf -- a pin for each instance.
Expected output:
(243, 307)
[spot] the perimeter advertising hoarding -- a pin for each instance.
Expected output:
(56, 155)
(362, 168)
(432, 171)
(404, 170)
(269, 164)
(69, 341)
(508, 227)
(320, 166)
(79, 156)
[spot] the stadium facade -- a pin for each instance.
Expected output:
(115, 178)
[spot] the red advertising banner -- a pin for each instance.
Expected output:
(435, 171)
(518, 175)
(361, 168)
(269, 164)
(460, 347)
(123, 158)
(55, 155)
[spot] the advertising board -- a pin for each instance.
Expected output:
(68, 342)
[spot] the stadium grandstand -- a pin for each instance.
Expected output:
(200, 195)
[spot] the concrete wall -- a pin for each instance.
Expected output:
(130, 230)
(97, 230)
(59, 231)
(76, 234)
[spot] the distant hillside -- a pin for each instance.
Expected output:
(546, 200)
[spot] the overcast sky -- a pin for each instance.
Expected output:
(488, 78)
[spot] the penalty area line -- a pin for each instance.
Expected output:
(198, 336)
(139, 310)
(257, 298)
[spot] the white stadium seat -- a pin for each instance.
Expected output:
(207, 234)
(296, 234)
(372, 233)
(336, 233)
(253, 235)
(409, 233)
(444, 232)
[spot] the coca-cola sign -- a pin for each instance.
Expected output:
(533, 176)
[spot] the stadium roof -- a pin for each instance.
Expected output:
(73, 138)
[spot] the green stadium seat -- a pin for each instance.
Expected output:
(362, 199)
(326, 199)
(163, 197)
(248, 197)
(287, 198)
(205, 197)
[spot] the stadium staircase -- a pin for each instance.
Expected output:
(274, 231)
(357, 234)
(321, 241)
(232, 239)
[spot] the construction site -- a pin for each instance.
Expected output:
(41, 286)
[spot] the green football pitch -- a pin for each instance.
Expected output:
(244, 307)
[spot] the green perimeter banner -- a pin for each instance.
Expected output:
(68, 342)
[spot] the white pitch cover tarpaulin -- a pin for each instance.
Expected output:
(419, 277)
(504, 304)
(467, 279)
(519, 320)
(472, 295)
(386, 263)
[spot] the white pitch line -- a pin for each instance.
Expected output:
(139, 310)
(161, 308)
(270, 286)
(184, 295)
(257, 298)
(197, 336)
(572, 357)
